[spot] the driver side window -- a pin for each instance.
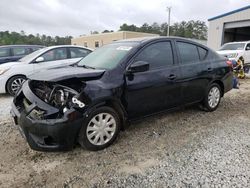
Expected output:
(55, 54)
(158, 55)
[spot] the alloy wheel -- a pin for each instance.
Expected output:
(16, 84)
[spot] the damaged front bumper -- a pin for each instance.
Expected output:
(52, 133)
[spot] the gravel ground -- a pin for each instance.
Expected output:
(186, 148)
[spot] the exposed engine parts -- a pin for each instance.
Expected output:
(57, 95)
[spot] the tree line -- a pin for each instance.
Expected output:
(188, 29)
(7, 38)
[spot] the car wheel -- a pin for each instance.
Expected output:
(212, 98)
(100, 129)
(14, 84)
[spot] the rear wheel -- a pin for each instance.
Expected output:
(14, 84)
(212, 98)
(100, 129)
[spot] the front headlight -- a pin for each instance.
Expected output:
(3, 70)
(61, 96)
(232, 55)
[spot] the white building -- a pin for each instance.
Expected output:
(229, 27)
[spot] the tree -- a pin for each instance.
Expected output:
(94, 32)
(7, 38)
(191, 29)
(107, 31)
(126, 27)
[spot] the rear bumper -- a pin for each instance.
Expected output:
(45, 134)
(228, 82)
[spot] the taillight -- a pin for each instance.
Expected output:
(230, 64)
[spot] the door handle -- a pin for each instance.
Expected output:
(209, 69)
(171, 77)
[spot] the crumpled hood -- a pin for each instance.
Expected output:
(64, 73)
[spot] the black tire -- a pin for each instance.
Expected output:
(10, 83)
(205, 105)
(83, 138)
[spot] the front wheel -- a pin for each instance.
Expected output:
(14, 84)
(212, 98)
(100, 129)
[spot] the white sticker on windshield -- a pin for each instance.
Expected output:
(125, 48)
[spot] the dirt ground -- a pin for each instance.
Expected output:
(186, 148)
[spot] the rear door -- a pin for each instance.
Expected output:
(195, 71)
(158, 88)
(52, 59)
(19, 51)
(76, 54)
(5, 55)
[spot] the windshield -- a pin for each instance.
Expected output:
(32, 56)
(108, 56)
(233, 46)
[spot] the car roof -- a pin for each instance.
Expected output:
(146, 39)
(61, 46)
(49, 47)
(149, 39)
(21, 45)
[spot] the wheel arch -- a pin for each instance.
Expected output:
(221, 84)
(11, 78)
(117, 106)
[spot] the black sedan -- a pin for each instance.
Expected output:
(92, 101)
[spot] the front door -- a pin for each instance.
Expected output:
(52, 59)
(156, 89)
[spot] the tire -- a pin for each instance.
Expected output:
(91, 129)
(212, 98)
(14, 84)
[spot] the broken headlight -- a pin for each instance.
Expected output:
(61, 96)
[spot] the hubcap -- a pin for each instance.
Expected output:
(214, 97)
(101, 129)
(16, 84)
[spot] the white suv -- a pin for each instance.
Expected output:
(236, 50)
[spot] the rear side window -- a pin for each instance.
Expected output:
(202, 52)
(20, 51)
(35, 49)
(158, 55)
(55, 54)
(4, 52)
(188, 52)
(78, 52)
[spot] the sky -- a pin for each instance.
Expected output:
(78, 17)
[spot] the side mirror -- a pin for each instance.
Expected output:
(248, 48)
(139, 66)
(39, 59)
